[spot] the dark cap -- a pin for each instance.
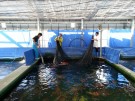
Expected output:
(97, 33)
(40, 34)
(60, 34)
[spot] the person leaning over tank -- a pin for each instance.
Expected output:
(36, 44)
(59, 39)
(96, 42)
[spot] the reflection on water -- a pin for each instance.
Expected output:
(73, 83)
(7, 67)
(129, 64)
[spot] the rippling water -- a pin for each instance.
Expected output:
(73, 83)
(8, 67)
(129, 64)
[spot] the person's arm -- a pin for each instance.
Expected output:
(61, 39)
(95, 38)
(34, 41)
(56, 39)
(38, 44)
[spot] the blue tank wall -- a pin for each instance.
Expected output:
(73, 38)
(120, 38)
(15, 38)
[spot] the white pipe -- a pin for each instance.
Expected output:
(81, 24)
(100, 29)
(82, 35)
(132, 32)
(38, 25)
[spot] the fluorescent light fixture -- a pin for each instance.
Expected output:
(3, 25)
(72, 25)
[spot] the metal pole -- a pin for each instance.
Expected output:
(82, 35)
(58, 29)
(39, 30)
(132, 32)
(100, 29)
(38, 25)
(81, 24)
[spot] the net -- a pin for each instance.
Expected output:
(62, 56)
(87, 58)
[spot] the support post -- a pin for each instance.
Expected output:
(38, 25)
(82, 34)
(100, 29)
(132, 32)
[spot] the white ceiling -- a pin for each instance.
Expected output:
(67, 9)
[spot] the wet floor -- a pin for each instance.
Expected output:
(73, 83)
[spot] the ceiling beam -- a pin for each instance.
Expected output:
(63, 22)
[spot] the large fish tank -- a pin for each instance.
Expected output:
(98, 82)
(6, 67)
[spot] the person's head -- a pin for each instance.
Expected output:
(97, 33)
(39, 34)
(60, 35)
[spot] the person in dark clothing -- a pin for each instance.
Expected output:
(36, 44)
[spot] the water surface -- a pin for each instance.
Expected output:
(73, 83)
